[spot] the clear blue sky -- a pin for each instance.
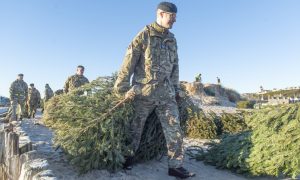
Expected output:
(245, 43)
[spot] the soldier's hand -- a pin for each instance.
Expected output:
(129, 94)
(135, 90)
(180, 94)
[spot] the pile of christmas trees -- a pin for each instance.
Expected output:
(94, 137)
(271, 147)
(229, 123)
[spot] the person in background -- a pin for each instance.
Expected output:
(48, 93)
(18, 92)
(76, 80)
(34, 99)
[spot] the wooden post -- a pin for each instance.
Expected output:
(13, 140)
(2, 146)
(11, 147)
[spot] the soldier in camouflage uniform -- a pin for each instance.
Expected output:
(48, 93)
(198, 78)
(58, 92)
(218, 81)
(76, 80)
(34, 99)
(153, 61)
(18, 96)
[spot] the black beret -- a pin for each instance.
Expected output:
(167, 7)
(80, 66)
(31, 84)
(20, 74)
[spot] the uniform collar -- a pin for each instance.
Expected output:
(159, 28)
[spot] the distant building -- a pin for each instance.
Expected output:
(278, 101)
(277, 96)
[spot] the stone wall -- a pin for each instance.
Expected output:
(18, 159)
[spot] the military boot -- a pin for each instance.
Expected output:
(180, 173)
(128, 163)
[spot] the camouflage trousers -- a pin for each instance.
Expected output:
(44, 105)
(12, 112)
(32, 107)
(167, 112)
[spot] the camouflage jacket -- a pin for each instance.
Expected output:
(58, 92)
(74, 82)
(18, 89)
(48, 93)
(153, 61)
(34, 96)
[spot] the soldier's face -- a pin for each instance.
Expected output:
(80, 71)
(20, 77)
(168, 19)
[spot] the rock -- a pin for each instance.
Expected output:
(44, 175)
(33, 167)
(211, 94)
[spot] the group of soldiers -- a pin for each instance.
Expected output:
(29, 99)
